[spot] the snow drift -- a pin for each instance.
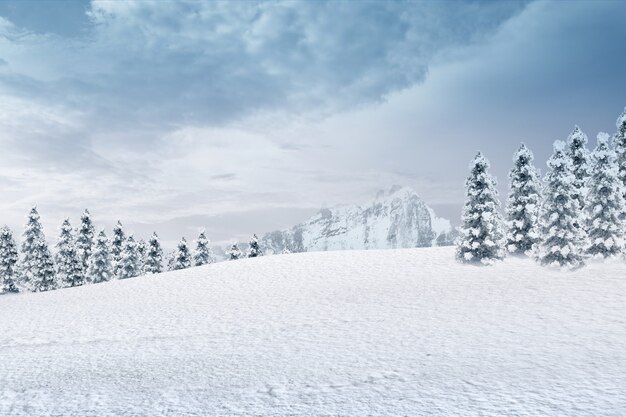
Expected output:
(364, 333)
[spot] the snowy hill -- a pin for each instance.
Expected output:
(396, 218)
(353, 333)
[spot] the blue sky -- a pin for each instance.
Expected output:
(244, 117)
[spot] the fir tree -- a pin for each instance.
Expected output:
(154, 256)
(84, 242)
(100, 268)
(619, 143)
(234, 253)
(253, 247)
(117, 247)
(8, 261)
(141, 250)
(171, 260)
(37, 272)
(604, 203)
(203, 254)
(579, 156)
(129, 264)
(481, 237)
(561, 238)
(183, 256)
(69, 266)
(523, 203)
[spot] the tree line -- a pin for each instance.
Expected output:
(81, 257)
(578, 210)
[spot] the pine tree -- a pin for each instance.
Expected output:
(117, 247)
(68, 263)
(183, 256)
(619, 143)
(253, 247)
(8, 261)
(234, 253)
(523, 203)
(579, 156)
(129, 264)
(604, 204)
(481, 237)
(100, 268)
(154, 256)
(561, 238)
(84, 242)
(171, 260)
(141, 251)
(203, 254)
(37, 273)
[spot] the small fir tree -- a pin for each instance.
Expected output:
(234, 253)
(154, 256)
(561, 239)
(37, 273)
(85, 241)
(604, 204)
(619, 143)
(203, 254)
(100, 268)
(253, 247)
(481, 237)
(44, 279)
(117, 247)
(68, 263)
(129, 264)
(141, 250)
(182, 259)
(579, 156)
(8, 261)
(523, 202)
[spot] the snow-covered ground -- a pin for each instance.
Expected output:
(364, 333)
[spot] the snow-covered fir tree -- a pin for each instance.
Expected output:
(523, 203)
(202, 254)
(619, 144)
(561, 239)
(171, 260)
(117, 247)
(100, 268)
(234, 253)
(481, 238)
(154, 256)
(578, 154)
(129, 265)
(8, 261)
(84, 242)
(253, 247)
(142, 248)
(68, 264)
(604, 203)
(37, 267)
(182, 259)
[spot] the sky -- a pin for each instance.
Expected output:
(246, 117)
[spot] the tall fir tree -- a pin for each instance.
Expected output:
(37, 266)
(183, 255)
(117, 247)
(619, 144)
(203, 254)
(68, 263)
(129, 265)
(85, 242)
(154, 256)
(253, 247)
(481, 238)
(561, 239)
(578, 154)
(100, 268)
(234, 253)
(604, 204)
(8, 261)
(523, 203)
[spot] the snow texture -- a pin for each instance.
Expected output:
(379, 333)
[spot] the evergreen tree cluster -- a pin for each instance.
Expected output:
(577, 211)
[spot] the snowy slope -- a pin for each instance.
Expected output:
(370, 333)
(397, 218)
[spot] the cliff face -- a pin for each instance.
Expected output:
(397, 218)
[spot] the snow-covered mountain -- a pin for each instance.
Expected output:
(397, 218)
